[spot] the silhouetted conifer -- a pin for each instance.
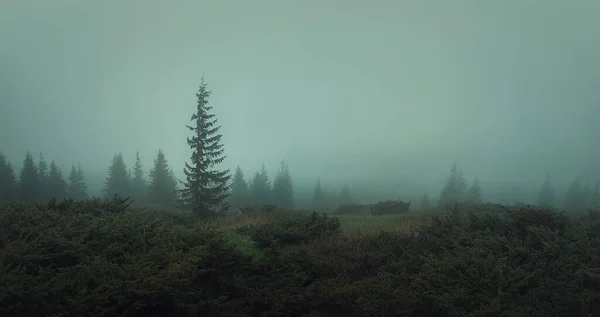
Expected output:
(29, 182)
(260, 187)
(546, 194)
(455, 188)
(240, 194)
(76, 187)
(283, 191)
(206, 188)
(474, 192)
(586, 196)
(162, 186)
(8, 181)
(43, 176)
(138, 182)
(117, 182)
(56, 184)
(595, 200)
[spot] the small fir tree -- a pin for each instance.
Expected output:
(474, 192)
(455, 188)
(345, 195)
(162, 187)
(283, 191)
(574, 197)
(240, 195)
(425, 203)
(206, 188)
(8, 181)
(138, 182)
(29, 182)
(260, 187)
(57, 185)
(117, 182)
(318, 199)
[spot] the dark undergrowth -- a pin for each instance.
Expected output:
(105, 258)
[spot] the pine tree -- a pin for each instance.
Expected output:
(346, 195)
(574, 197)
(586, 196)
(117, 182)
(29, 182)
(474, 192)
(76, 186)
(206, 188)
(455, 188)
(546, 194)
(138, 182)
(425, 203)
(260, 187)
(43, 176)
(318, 200)
(56, 184)
(240, 194)
(8, 181)
(162, 187)
(283, 191)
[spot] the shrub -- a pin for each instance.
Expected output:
(390, 207)
(292, 230)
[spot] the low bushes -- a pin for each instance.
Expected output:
(91, 259)
(390, 207)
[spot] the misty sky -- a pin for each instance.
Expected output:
(343, 90)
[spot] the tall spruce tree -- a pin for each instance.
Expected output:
(240, 194)
(117, 182)
(162, 187)
(8, 181)
(29, 182)
(474, 192)
(546, 195)
(283, 190)
(260, 187)
(206, 188)
(56, 184)
(455, 188)
(138, 182)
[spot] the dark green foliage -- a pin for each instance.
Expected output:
(546, 194)
(56, 184)
(138, 181)
(240, 194)
(390, 207)
(455, 188)
(283, 190)
(260, 187)
(8, 181)
(292, 230)
(76, 187)
(118, 181)
(206, 188)
(162, 188)
(29, 182)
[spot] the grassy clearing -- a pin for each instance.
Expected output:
(357, 225)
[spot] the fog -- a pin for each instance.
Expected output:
(384, 95)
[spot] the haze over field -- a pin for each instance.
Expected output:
(381, 94)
